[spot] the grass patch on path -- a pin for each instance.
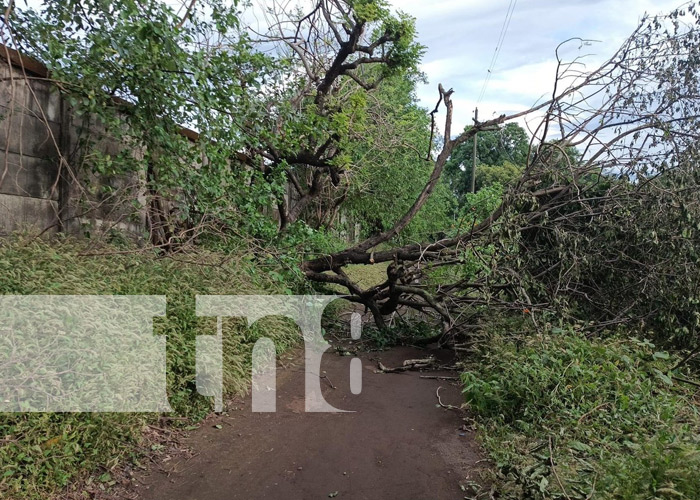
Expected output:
(368, 276)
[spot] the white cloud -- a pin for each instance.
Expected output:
(461, 36)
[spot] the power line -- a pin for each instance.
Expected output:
(499, 46)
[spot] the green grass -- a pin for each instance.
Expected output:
(41, 453)
(563, 416)
(368, 276)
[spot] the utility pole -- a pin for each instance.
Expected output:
(476, 117)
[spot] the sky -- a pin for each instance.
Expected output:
(461, 37)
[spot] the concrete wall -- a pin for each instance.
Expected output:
(30, 133)
(45, 183)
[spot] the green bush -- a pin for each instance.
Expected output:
(616, 422)
(41, 453)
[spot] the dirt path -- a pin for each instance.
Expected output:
(396, 445)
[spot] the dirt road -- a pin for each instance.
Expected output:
(397, 444)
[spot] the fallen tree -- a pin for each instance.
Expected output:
(603, 218)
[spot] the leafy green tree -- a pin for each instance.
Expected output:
(340, 55)
(506, 147)
(389, 156)
(139, 72)
(504, 175)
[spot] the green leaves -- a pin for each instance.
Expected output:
(132, 50)
(607, 407)
(387, 154)
(370, 10)
(501, 156)
(663, 377)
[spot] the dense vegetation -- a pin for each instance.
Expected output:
(571, 277)
(568, 416)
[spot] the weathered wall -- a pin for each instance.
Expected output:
(30, 132)
(43, 184)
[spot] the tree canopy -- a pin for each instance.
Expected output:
(280, 130)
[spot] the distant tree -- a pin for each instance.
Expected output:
(339, 54)
(494, 148)
(388, 157)
(504, 174)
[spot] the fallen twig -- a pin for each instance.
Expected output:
(686, 381)
(384, 369)
(439, 377)
(448, 368)
(419, 362)
(447, 407)
(329, 381)
(409, 364)
(554, 470)
(588, 413)
(590, 495)
(687, 358)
